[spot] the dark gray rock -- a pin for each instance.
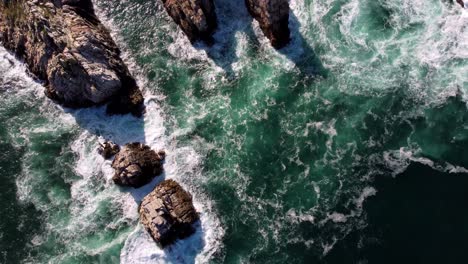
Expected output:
(167, 213)
(136, 165)
(66, 46)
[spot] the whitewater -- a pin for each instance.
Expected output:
(279, 149)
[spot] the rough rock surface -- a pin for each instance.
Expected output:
(167, 213)
(66, 46)
(273, 17)
(108, 149)
(197, 18)
(136, 165)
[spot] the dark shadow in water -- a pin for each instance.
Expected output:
(232, 18)
(300, 52)
(120, 129)
(418, 217)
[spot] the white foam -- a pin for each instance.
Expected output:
(94, 186)
(399, 160)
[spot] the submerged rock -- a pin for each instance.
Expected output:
(66, 46)
(167, 213)
(273, 17)
(108, 149)
(136, 165)
(197, 18)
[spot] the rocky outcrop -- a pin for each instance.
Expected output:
(167, 213)
(136, 165)
(197, 18)
(66, 46)
(273, 17)
(108, 149)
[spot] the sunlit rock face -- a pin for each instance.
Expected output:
(67, 48)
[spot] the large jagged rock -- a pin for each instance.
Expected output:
(167, 213)
(197, 18)
(273, 17)
(136, 165)
(66, 46)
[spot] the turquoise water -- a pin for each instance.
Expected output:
(289, 155)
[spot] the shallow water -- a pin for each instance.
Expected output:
(281, 149)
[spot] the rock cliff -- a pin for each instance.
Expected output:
(273, 17)
(167, 213)
(71, 52)
(197, 18)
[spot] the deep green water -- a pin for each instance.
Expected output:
(347, 146)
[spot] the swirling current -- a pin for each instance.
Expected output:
(347, 146)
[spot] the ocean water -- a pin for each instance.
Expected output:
(347, 146)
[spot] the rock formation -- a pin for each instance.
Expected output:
(273, 17)
(461, 3)
(108, 149)
(197, 18)
(167, 213)
(66, 46)
(136, 165)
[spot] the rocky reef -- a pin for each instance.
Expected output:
(197, 18)
(67, 48)
(167, 213)
(136, 165)
(273, 18)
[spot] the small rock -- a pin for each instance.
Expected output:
(162, 154)
(108, 149)
(167, 213)
(136, 165)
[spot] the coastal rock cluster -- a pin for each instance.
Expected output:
(167, 213)
(67, 48)
(197, 18)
